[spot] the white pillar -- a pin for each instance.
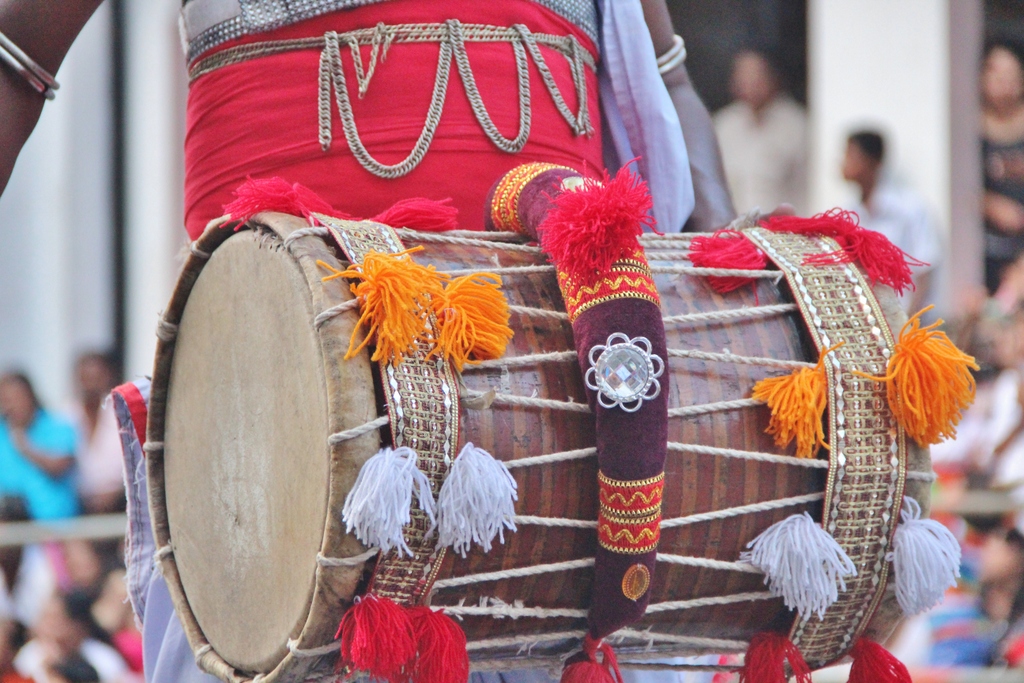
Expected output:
(56, 225)
(899, 67)
(155, 109)
(965, 271)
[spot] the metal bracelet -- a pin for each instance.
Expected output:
(673, 57)
(39, 78)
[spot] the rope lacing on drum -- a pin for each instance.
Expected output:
(497, 608)
(322, 233)
(773, 275)
(334, 311)
(302, 653)
(525, 642)
(166, 331)
(353, 561)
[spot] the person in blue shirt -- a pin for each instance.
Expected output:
(37, 452)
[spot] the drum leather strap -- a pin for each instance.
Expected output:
(423, 408)
(868, 455)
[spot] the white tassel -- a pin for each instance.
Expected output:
(477, 501)
(380, 502)
(802, 563)
(926, 557)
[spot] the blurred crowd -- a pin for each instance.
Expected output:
(62, 462)
(763, 138)
(979, 493)
(64, 615)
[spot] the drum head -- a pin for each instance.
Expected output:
(246, 458)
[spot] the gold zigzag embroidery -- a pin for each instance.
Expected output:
(607, 515)
(617, 497)
(584, 291)
(628, 483)
(646, 534)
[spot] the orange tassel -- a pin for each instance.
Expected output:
(395, 294)
(797, 402)
(929, 382)
(472, 317)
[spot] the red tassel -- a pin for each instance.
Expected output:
(834, 223)
(881, 260)
(588, 669)
(766, 658)
(275, 194)
(377, 637)
(441, 655)
(421, 214)
(591, 228)
(872, 663)
(726, 249)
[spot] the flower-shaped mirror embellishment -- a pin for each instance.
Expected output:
(624, 372)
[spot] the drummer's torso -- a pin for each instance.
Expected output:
(490, 86)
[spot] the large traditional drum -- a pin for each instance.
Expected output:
(258, 429)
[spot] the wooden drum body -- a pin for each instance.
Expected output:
(247, 485)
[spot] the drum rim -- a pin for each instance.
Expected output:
(326, 589)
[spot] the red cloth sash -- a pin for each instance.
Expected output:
(259, 118)
(137, 407)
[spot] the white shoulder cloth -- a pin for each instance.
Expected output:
(639, 112)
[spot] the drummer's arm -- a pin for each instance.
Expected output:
(713, 204)
(44, 30)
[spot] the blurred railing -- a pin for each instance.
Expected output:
(85, 528)
(840, 674)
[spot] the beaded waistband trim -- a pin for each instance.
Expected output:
(205, 24)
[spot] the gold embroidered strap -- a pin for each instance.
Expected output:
(629, 514)
(630, 278)
(423, 408)
(868, 456)
(505, 203)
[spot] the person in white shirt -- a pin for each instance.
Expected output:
(100, 476)
(896, 211)
(763, 138)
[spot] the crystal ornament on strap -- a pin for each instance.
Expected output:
(624, 372)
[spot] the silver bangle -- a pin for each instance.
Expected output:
(39, 78)
(673, 57)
